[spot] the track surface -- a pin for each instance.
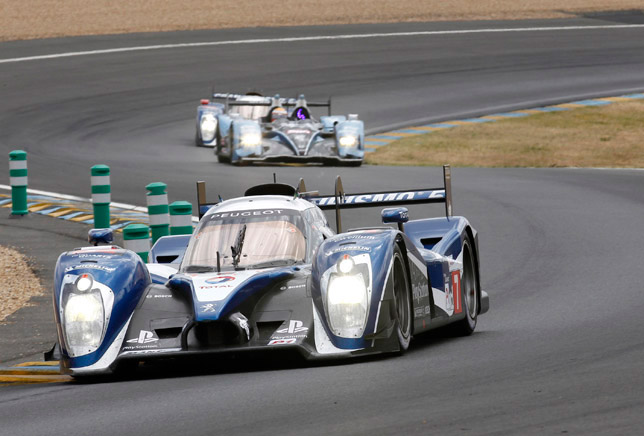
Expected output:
(561, 349)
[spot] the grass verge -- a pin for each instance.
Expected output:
(603, 136)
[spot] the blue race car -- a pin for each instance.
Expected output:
(255, 129)
(266, 271)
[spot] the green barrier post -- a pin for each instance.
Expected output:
(136, 237)
(101, 196)
(157, 200)
(181, 218)
(18, 182)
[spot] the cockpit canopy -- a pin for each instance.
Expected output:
(254, 112)
(253, 239)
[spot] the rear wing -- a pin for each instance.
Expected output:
(341, 200)
(233, 100)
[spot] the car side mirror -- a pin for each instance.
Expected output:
(399, 215)
(100, 236)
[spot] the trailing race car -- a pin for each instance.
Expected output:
(252, 129)
(265, 271)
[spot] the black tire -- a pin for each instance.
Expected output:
(220, 158)
(198, 141)
(402, 300)
(469, 293)
(355, 163)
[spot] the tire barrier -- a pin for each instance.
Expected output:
(181, 218)
(136, 237)
(101, 196)
(18, 182)
(157, 200)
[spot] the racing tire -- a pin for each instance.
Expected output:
(198, 141)
(469, 293)
(402, 300)
(220, 158)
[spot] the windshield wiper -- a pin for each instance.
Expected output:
(270, 263)
(199, 268)
(237, 248)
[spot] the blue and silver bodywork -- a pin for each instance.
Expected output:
(248, 131)
(339, 297)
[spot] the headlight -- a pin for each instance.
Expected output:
(348, 141)
(85, 308)
(347, 304)
(208, 127)
(251, 140)
(84, 318)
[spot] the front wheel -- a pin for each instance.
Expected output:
(220, 158)
(402, 301)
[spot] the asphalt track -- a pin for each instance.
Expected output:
(561, 349)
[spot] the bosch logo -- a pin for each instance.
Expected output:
(221, 279)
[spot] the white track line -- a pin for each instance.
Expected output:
(313, 38)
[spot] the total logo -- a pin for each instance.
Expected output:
(220, 279)
(294, 326)
(145, 337)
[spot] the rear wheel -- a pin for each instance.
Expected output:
(402, 301)
(469, 293)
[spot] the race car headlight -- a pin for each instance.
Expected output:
(251, 140)
(83, 320)
(208, 127)
(347, 304)
(348, 141)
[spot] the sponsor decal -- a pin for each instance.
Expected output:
(90, 266)
(209, 308)
(344, 238)
(103, 249)
(449, 297)
(151, 351)
(158, 296)
(348, 248)
(220, 279)
(284, 288)
(282, 341)
(247, 213)
(145, 337)
(93, 255)
(376, 198)
(456, 291)
(298, 132)
(294, 326)
(419, 291)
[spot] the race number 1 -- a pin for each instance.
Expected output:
(456, 291)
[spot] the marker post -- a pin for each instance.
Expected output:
(101, 196)
(18, 182)
(136, 237)
(157, 200)
(181, 218)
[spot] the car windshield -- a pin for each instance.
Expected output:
(246, 240)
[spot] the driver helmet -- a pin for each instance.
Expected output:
(278, 113)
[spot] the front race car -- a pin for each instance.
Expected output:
(245, 283)
(266, 272)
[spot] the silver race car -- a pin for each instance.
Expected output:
(255, 129)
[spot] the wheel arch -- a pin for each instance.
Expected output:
(473, 237)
